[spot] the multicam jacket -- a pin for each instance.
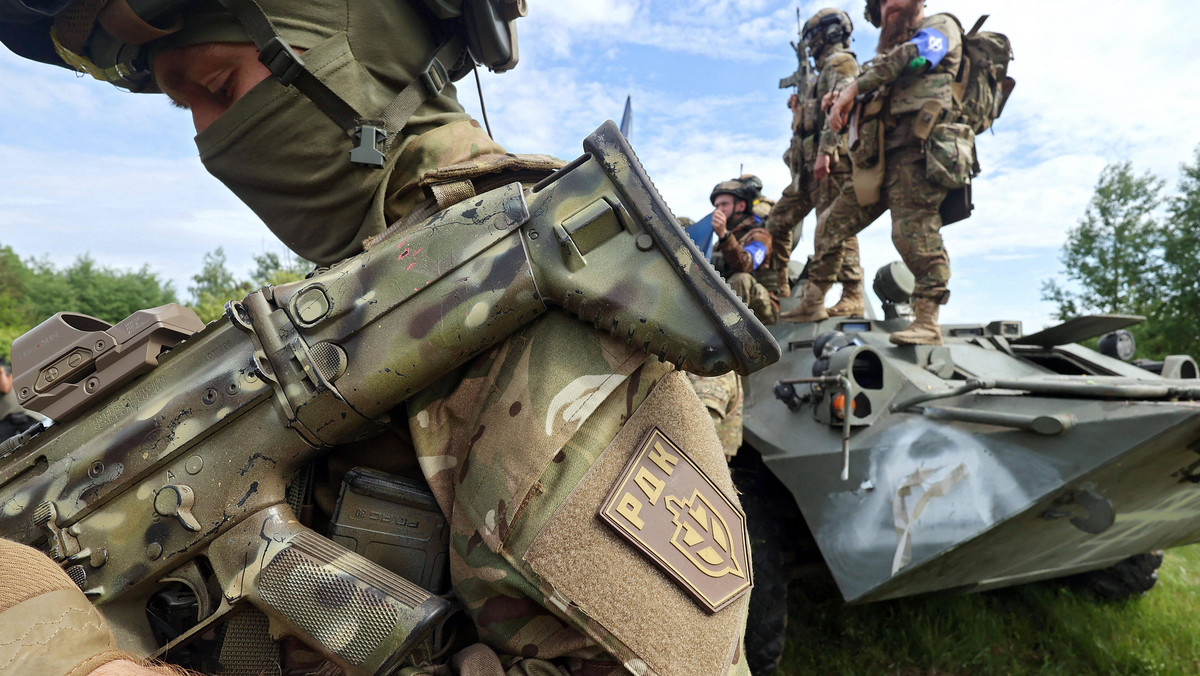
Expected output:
(910, 86)
(836, 68)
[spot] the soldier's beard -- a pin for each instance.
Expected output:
(896, 27)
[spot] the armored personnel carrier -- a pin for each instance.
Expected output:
(996, 459)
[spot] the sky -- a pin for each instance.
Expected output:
(88, 169)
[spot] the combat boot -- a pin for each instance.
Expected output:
(811, 308)
(851, 302)
(924, 330)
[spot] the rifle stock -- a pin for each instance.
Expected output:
(188, 464)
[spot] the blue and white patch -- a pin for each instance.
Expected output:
(758, 253)
(932, 45)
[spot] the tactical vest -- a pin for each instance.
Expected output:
(810, 119)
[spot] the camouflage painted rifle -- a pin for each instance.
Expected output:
(180, 475)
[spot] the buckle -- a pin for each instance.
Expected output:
(435, 77)
(366, 153)
(283, 61)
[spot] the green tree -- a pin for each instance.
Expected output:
(1179, 314)
(273, 270)
(214, 286)
(15, 308)
(31, 291)
(111, 294)
(1114, 255)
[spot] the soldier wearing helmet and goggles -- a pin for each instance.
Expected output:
(818, 158)
(912, 115)
(336, 121)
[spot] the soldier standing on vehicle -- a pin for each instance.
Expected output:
(912, 109)
(542, 408)
(818, 159)
(744, 247)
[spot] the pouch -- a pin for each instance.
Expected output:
(866, 155)
(950, 155)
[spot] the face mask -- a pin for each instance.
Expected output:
(290, 164)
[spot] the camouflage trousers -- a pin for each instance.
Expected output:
(914, 202)
(756, 296)
(797, 201)
(722, 396)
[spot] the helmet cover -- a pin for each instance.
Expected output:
(827, 27)
(872, 13)
(733, 187)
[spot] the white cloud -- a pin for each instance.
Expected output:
(1098, 82)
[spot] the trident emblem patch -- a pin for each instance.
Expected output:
(674, 514)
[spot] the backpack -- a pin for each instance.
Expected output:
(982, 85)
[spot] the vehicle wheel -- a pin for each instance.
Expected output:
(1121, 581)
(766, 625)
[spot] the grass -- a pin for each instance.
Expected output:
(1032, 629)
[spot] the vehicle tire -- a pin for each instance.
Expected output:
(1121, 581)
(766, 625)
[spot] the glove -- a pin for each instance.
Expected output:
(47, 626)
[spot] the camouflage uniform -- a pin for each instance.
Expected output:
(913, 199)
(519, 445)
(723, 397)
(837, 67)
(737, 266)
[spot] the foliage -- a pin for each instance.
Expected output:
(1179, 317)
(1129, 255)
(215, 284)
(31, 290)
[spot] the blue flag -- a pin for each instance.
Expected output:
(701, 233)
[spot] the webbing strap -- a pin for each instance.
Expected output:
(285, 64)
(373, 135)
(432, 79)
(977, 26)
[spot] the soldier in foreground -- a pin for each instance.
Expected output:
(280, 101)
(820, 164)
(912, 108)
(745, 248)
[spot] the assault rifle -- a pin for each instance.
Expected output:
(803, 75)
(169, 466)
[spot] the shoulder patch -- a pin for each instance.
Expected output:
(669, 509)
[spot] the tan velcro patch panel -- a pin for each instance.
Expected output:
(668, 508)
(590, 568)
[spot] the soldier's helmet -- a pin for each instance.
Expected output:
(872, 13)
(329, 124)
(753, 184)
(114, 41)
(827, 27)
(734, 187)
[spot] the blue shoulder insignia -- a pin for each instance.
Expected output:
(932, 45)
